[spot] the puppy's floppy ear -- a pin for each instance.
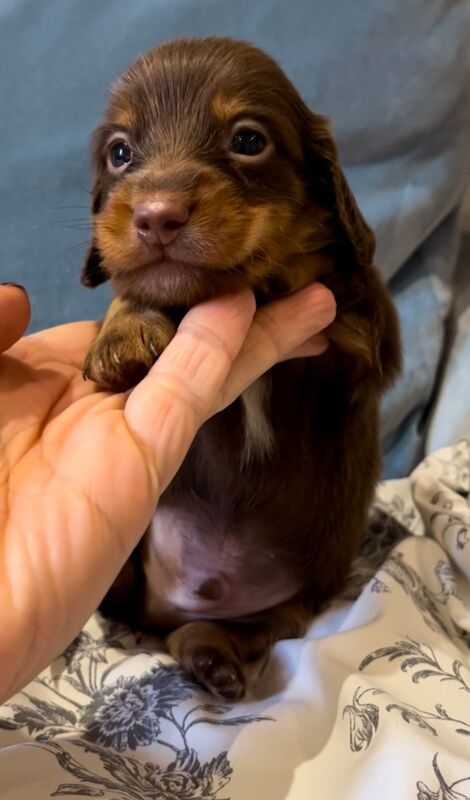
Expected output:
(366, 325)
(366, 329)
(330, 189)
(93, 273)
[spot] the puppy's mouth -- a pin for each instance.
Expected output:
(164, 279)
(166, 265)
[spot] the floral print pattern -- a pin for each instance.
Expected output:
(124, 716)
(363, 720)
(444, 791)
(185, 778)
(115, 716)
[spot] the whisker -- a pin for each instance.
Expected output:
(72, 227)
(99, 91)
(73, 219)
(69, 208)
(77, 245)
(78, 188)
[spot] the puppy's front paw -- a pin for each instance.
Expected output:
(208, 654)
(120, 358)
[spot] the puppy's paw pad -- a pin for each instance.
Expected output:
(220, 673)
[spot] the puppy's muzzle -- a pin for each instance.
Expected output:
(159, 223)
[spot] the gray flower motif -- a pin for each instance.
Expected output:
(363, 721)
(444, 792)
(424, 793)
(413, 585)
(446, 578)
(123, 716)
(454, 528)
(127, 714)
(125, 778)
(187, 779)
(462, 537)
(378, 586)
(86, 646)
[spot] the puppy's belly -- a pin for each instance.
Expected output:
(195, 571)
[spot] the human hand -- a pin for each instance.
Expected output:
(81, 470)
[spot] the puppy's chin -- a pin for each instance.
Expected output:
(177, 284)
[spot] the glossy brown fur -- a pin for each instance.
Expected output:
(291, 517)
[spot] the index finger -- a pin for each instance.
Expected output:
(166, 409)
(279, 329)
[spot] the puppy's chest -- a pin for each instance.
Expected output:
(262, 441)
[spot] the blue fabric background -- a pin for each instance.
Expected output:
(392, 75)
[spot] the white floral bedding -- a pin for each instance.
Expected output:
(373, 703)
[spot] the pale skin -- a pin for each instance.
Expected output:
(81, 470)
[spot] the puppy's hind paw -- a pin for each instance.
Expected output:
(208, 653)
(221, 674)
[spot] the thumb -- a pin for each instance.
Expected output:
(15, 313)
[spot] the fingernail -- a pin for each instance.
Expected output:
(11, 283)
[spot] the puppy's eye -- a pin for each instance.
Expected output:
(119, 156)
(248, 142)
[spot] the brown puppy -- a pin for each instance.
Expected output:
(212, 174)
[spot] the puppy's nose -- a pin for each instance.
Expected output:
(160, 222)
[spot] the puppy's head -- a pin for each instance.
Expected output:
(212, 174)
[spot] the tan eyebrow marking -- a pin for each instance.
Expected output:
(124, 116)
(226, 107)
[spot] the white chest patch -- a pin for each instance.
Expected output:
(258, 433)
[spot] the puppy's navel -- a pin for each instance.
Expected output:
(258, 432)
